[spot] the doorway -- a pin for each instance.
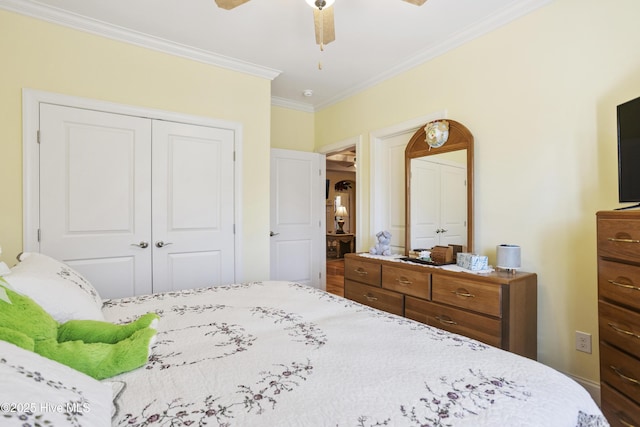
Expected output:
(341, 213)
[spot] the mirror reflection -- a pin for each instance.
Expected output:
(439, 190)
(439, 200)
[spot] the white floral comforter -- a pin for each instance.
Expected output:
(280, 354)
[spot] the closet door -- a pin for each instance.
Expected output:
(95, 196)
(439, 205)
(425, 210)
(193, 206)
(136, 205)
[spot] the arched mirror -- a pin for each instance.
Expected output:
(439, 187)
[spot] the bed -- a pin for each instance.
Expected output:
(278, 353)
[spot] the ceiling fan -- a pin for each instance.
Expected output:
(322, 16)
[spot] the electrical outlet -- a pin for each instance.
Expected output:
(583, 342)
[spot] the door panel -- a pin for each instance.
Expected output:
(193, 200)
(454, 205)
(95, 186)
(425, 214)
(297, 211)
(99, 173)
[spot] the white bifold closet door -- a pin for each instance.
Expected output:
(438, 204)
(136, 205)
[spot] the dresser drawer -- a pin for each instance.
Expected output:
(405, 281)
(481, 298)
(620, 371)
(620, 327)
(375, 297)
(619, 411)
(619, 282)
(619, 239)
(364, 272)
(475, 326)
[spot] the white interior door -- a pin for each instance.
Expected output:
(438, 204)
(425, 204)
(392, 213)
(453, 202)
(136, 205)
(193, 206)
(95, 196)
(297, 217)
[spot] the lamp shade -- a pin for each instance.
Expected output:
(508, 257)
(341, 211)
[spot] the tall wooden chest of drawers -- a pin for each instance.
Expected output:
(498, 308)
(619, 315)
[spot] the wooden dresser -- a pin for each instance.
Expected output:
(619, 315)
(498, 308)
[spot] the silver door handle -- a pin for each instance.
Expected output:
(271, 234)
(142, 245)
(161, 244)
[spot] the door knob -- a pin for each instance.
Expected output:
(271, 234)
(161, 244)
(142, 245)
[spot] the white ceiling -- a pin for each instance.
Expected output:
(375, 39)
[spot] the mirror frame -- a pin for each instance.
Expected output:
(460, 138)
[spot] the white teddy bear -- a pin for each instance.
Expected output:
(382, 247)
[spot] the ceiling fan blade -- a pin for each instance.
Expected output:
(230, 4)
(323, 22)
(416, 2)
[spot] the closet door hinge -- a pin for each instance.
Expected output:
(38, 235)
(38, 136)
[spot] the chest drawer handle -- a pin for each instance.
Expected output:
(403, 281)
(624, 377)
(614, 239)
(623, 285)
(622, 331)
(445, 320)
(623, 422)
(370, 298)
(463, 293)
(359, 271)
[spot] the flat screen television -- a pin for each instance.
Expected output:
(629, 151)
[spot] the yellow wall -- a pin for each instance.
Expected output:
(292, 129)
(539, 95)
(38, 55)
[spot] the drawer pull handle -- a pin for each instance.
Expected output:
(622, 331)
(624, 377)
(463, 293)
(370, 298)
(403, 281)
(623, 285)
(445, 320)
(614, 239)
(361, 272)
(624, 423)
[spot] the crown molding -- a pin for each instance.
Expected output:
(516, 10)
(114, 32)
(293, 105)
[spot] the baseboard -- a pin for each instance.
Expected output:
(592, 387)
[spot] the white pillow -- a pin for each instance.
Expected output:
(39, 391)
(59, 289)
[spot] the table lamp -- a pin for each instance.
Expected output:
(341, 212)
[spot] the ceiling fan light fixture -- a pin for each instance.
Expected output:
(320, 4)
